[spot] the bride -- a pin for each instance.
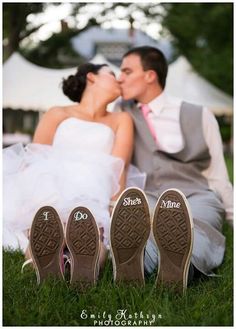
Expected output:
(79, 156)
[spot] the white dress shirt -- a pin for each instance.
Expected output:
(165, 119)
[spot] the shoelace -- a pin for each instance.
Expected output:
(68, 260)
(28, 261)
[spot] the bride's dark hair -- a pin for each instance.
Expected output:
(74, 86)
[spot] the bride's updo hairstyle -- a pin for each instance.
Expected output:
(74, 86)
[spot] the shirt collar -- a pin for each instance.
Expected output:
(157, 103)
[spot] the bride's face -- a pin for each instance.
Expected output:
(106, 80)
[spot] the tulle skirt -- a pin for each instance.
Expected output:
(64, 178)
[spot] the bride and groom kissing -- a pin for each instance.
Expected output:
(81, 156)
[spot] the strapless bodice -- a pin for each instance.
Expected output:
(84, 135)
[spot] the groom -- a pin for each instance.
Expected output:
(178, 145)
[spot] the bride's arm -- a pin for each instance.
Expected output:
(47, 126)
(123, 145)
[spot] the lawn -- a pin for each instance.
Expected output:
(208, 302)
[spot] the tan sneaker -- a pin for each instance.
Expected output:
(130, 229)
(83, 242)
(46, 244)
(173, 231)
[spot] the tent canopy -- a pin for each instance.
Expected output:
(30, 87)
(185, 83)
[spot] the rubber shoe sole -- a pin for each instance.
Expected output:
(46, 243)
(130, 229)
(173, 232)
(83, 242)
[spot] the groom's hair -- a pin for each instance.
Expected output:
(151, 59)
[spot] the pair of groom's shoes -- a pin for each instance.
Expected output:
(172, 229)
(47, 241)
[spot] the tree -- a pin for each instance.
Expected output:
(15, 26)
(203, 32)
(55, 52)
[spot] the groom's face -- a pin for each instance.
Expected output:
(133, 78)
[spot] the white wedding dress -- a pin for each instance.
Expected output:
(76, 170)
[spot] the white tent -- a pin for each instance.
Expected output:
(185, 83)
(28, 86)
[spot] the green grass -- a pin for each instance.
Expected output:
(229, 164)
(208, 302)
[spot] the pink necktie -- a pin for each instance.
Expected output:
(146, 110)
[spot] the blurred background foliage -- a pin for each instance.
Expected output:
(203, 32)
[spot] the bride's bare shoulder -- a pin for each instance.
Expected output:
(57, 113)
(57, 110)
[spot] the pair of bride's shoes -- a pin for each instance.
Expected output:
(48, 239)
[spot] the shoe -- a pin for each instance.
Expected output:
(83, 242)
(46, 243)
(173, 232)
(130, 229)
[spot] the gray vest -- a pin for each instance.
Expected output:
(180, 170)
